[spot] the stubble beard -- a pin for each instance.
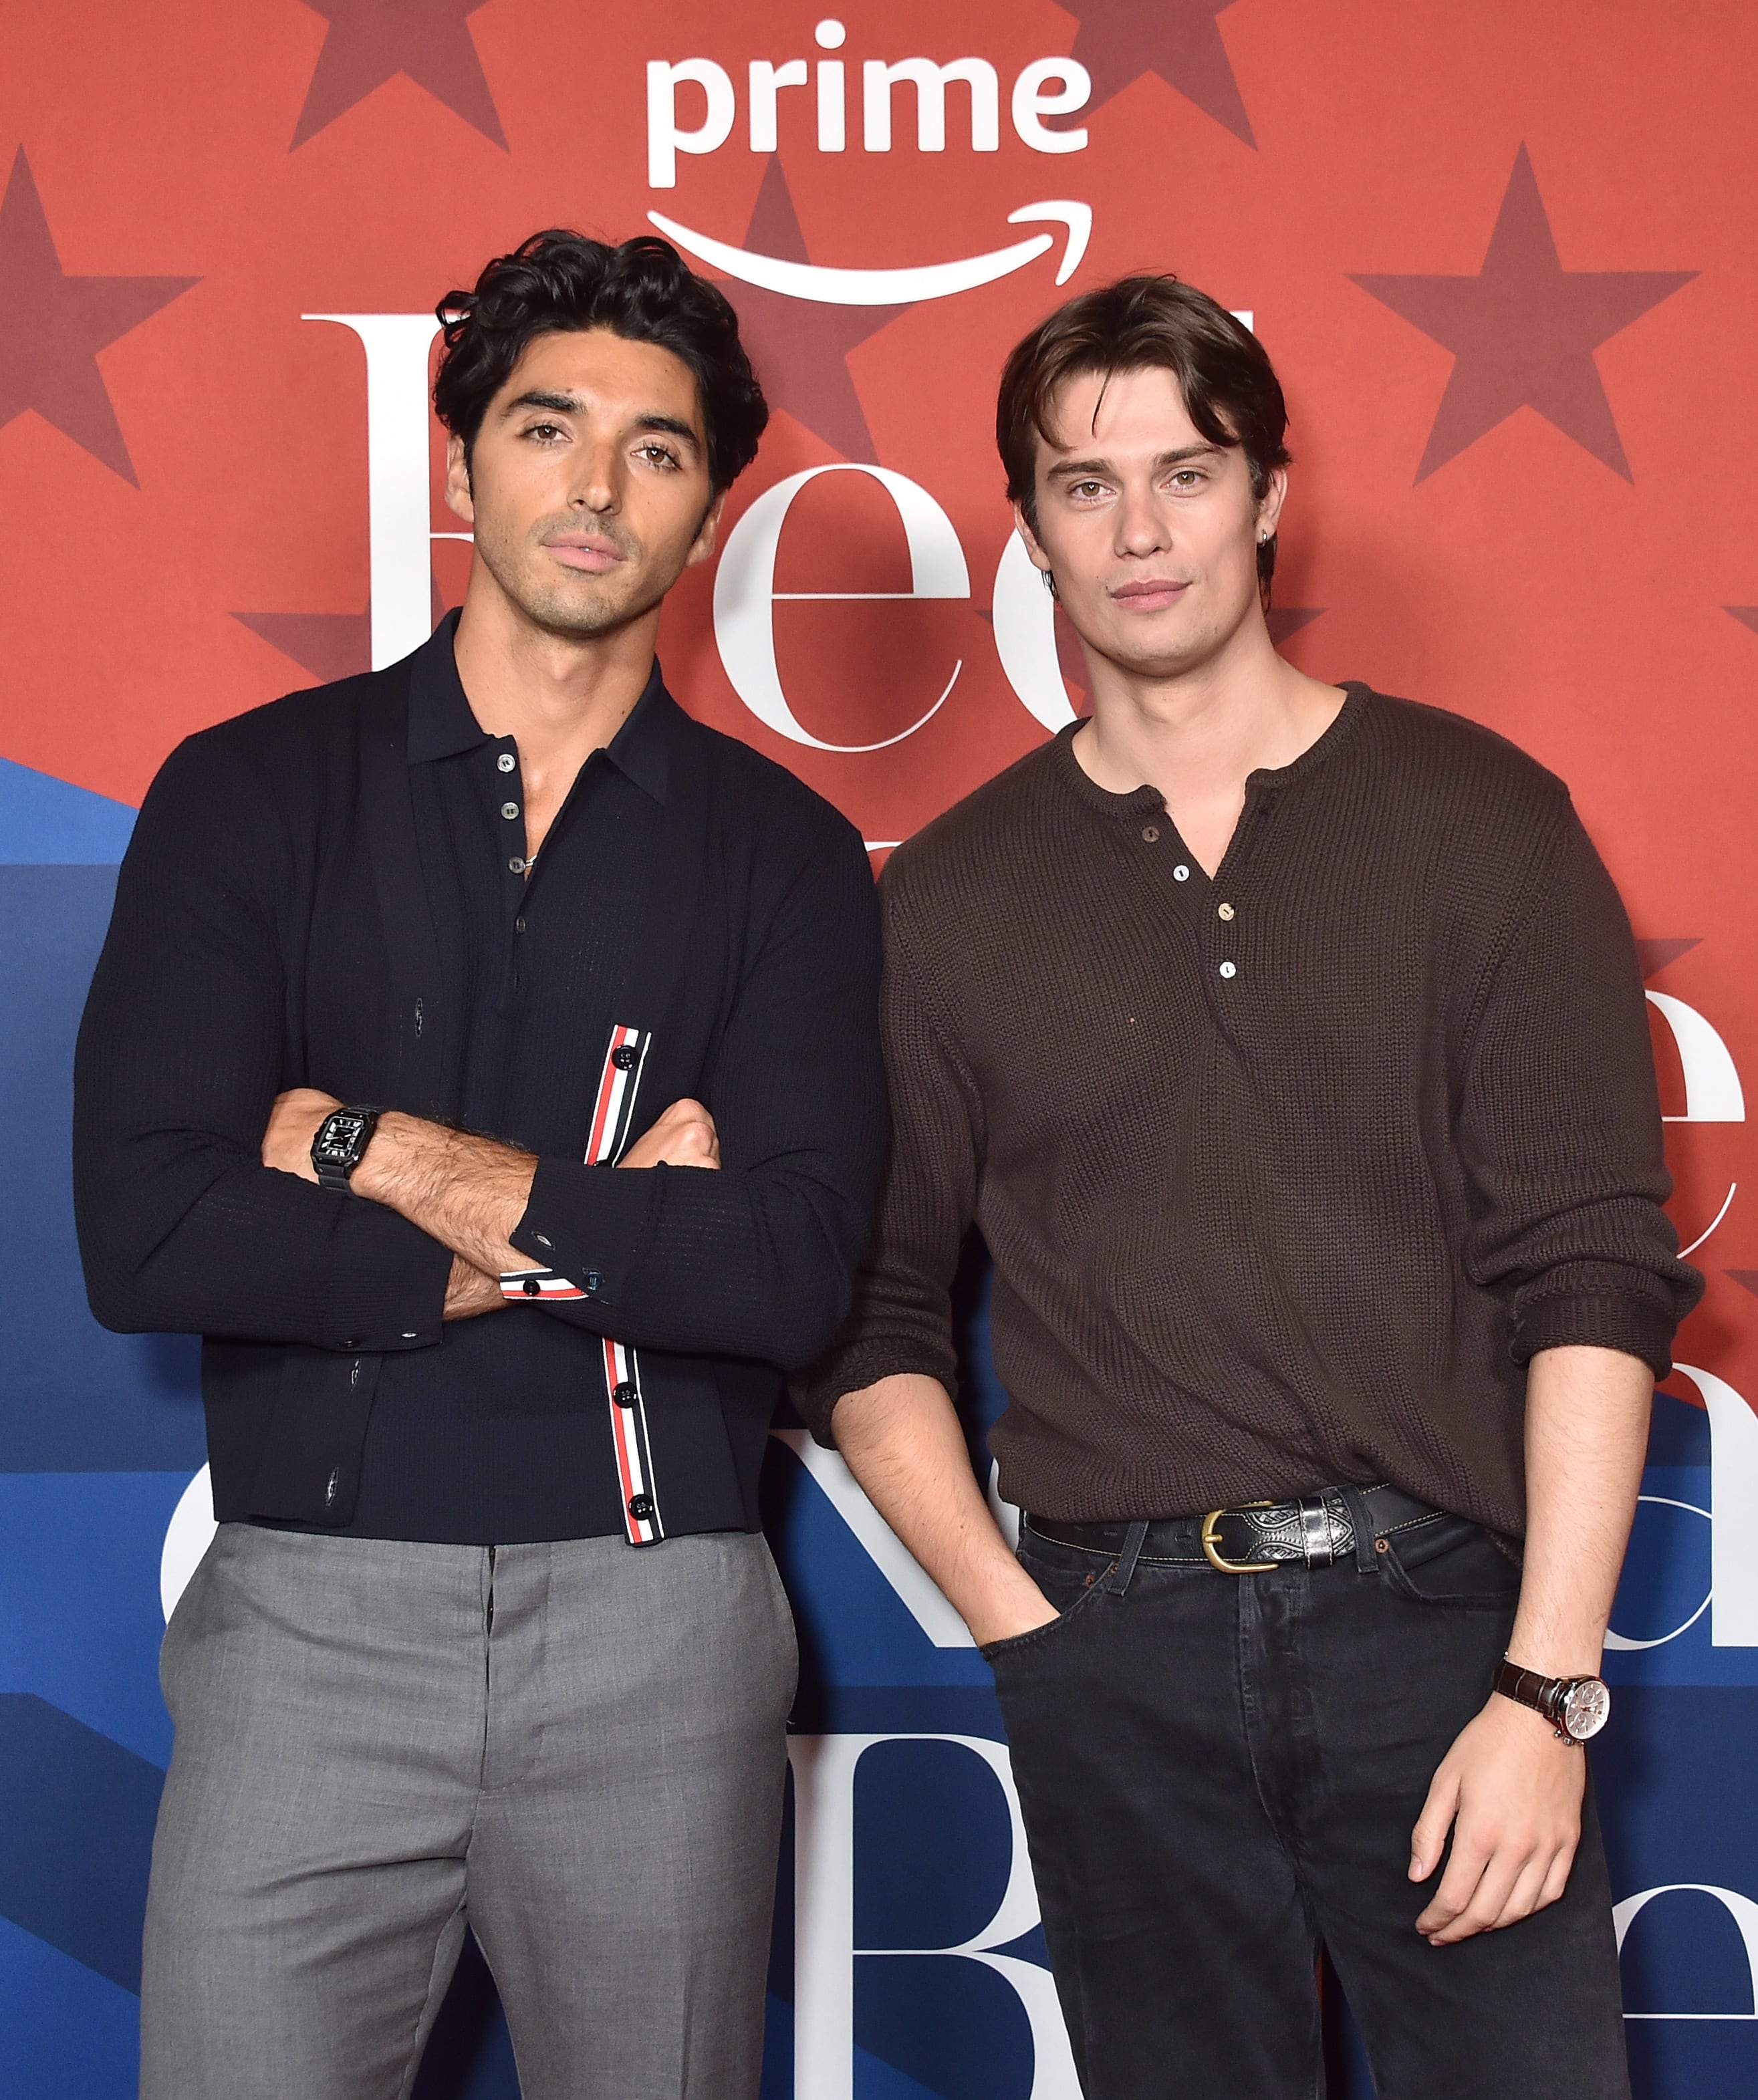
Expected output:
(580, 606)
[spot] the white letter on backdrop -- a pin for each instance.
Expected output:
(824, 1921)
(1741, 1909)
(930, 82)
(767, 82)
(1733, 1481)
(398, 499)
(745, 593)
(832, 94)
(665, 142)
(1031, 104)
(1025, 636)
(1713, 1091)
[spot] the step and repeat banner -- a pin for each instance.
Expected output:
(1503, 257)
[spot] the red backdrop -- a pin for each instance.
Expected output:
(1503, 255)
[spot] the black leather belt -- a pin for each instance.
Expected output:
(1317, 1529)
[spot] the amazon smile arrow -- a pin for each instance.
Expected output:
(893, 287)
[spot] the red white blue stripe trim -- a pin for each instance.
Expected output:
(521, 1283)
(612, 1117)
(629, 1436)
(618, 1084)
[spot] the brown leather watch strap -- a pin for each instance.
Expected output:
(1544, 1694)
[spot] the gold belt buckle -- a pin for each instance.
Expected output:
(1213, 1551)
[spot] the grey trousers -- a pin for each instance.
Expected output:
(578, 1750)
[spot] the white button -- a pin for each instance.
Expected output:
(1227, 970)
(506, 761)
(515, 865)
(1180, 873)
(510, 809)
(1226, 911)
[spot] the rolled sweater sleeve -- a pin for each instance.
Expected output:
(181, 1054)
(1560, 1129)
(901, 1318)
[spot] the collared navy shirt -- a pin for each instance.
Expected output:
(319, 892)
(500, 1434)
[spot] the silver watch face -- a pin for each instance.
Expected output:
(1586, 1708)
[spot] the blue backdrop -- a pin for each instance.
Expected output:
(925, 1962)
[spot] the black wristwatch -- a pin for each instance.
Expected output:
(341, 1143)
(1576, 1707)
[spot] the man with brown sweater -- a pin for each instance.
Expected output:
(1286, 1043)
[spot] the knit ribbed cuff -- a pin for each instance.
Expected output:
(1598, 1320)
(864, 1364)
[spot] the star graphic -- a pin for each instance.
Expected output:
(329, 644)
(1120, 40)
(1283, 621)
(1524, 331)
(56, 325)
(369, 42)
(1654, 956)
(799, 347)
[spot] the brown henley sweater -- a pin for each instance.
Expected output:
(1285, 1175)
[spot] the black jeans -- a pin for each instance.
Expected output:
(1220, 1773)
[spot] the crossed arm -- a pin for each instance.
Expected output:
(468, 1192)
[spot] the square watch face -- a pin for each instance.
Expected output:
(341, 1133)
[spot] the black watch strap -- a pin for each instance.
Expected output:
(340, 1144)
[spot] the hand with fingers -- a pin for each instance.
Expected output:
(1511, 1793)
(684, 1136)
(292, 1123)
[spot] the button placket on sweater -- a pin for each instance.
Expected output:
(1227, 913)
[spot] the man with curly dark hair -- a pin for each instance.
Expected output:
(483, 1061)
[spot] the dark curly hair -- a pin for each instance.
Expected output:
(557, 282)
(1230, 391)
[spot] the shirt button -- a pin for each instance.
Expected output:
(624, 1057)
(1180, 873)
(625, 1393)
(515, 865)
(506, 761)
(1151, 833)
(641, 1508)
(1227, 912)
(1228, 970)
(519, 925)
(510, 810)
(593, 1279)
